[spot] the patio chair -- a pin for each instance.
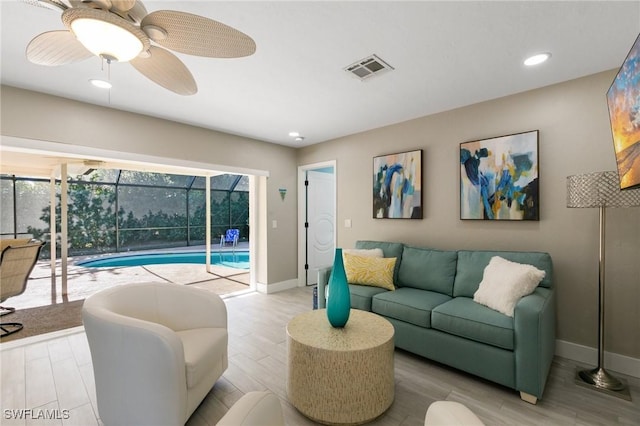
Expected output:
(16, 263)
(231, 236)
(13, 242)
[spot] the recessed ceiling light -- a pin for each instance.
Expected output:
(537, 59)
(299, 138)
(102, 84)
(294, 134)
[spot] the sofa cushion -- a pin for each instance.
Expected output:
(463, 317)
(361, 296)
(203, 348)
(372, 271)
(408, 304)
(471, 264)
(389, 250)
(505, 282)
(428, 269)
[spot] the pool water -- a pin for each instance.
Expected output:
(238, 259)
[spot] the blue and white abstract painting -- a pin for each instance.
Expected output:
(397, 186)
(499, 178)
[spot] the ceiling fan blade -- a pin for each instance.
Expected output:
(100, 4)
(123, 5)
(197, 35)
(135, 14)
(55, 48)
(165, 69)
(57, 5)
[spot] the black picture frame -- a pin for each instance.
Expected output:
(397, 185)
(499, 178)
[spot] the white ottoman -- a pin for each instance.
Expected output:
(450, 413)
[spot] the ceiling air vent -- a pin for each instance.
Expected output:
(368, 67)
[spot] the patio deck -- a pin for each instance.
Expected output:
(82, 282)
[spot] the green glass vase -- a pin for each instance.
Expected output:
(338, 299)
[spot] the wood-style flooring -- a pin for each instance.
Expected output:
(56, 374)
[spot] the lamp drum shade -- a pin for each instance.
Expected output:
(599, 189)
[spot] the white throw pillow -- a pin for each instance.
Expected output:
(505, 282)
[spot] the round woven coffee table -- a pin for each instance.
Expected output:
(340, 375)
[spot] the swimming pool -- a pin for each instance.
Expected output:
(238, 259)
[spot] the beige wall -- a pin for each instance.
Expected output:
(32, 115)
(575, 138)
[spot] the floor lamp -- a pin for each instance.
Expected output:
(601, 190)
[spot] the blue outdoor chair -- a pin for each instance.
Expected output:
(231, 236)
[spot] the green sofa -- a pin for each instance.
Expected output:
(435, 316)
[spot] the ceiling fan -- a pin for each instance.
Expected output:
(123, 31)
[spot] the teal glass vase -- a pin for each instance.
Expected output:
(338, 299)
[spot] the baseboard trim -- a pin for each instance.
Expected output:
(276, 287)
(39, 338)
(613, 362)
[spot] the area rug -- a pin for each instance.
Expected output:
(44, 319)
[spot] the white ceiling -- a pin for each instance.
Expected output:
(445, 55)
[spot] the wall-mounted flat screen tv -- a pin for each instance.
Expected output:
(623, 99)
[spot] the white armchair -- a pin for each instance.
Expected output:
(450, 413)
(258, 408)
(157, 350)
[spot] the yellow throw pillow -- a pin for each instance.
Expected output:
(373, 271)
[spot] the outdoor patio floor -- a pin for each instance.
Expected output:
(82, 282)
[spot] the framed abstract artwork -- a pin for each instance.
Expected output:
(397, 186)
(499, 178)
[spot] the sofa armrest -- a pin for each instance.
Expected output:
(535, 337)
(323, 282)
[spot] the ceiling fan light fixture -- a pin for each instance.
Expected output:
(105, 34)
(105, 39)
(120, 30)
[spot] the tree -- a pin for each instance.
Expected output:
(91, 219)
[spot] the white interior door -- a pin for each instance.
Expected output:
(321, 220)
